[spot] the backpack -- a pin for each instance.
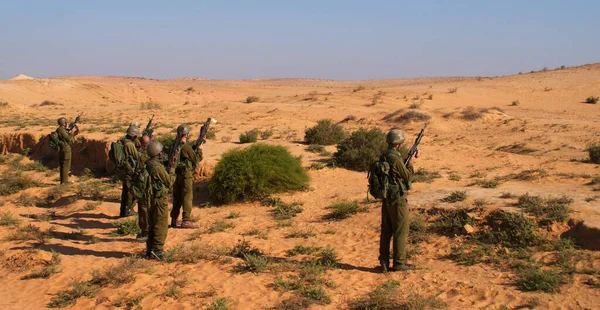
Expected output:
(140, 184)
(54, 140)
(117, 153)
(379, 178)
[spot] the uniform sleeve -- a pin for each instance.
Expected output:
(65, 136)
(165, 178)
(131, 151)
(404, 172)
(188, 153)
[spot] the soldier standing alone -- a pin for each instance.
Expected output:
(158, 190)
(395, 218)
(66, 138)
(183, 187)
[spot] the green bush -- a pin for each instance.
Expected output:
(250, 136)
(361, 149)
(127, 227)
(594, 152)
(11, 183)
(547, 210)
(532, 278)
(256, 172)
(325, 133)
(509, 229)
(455, 196)
(451, 222)
(342, 210)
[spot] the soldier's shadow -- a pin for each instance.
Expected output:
(67, 250)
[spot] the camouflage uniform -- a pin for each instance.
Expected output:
(183, 187)
(158, 216)
(143, 203)
(131, 161)
(395, 220)
(64, 153)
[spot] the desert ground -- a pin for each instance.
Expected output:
(529, 134)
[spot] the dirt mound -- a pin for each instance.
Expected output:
(22, 77)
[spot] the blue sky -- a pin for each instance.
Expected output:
(346, 40)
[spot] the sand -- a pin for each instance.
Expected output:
(551, 122)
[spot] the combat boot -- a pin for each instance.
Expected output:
(158, 255)
(188, 224)
(384, 266)
(175, 223)
(404, 267)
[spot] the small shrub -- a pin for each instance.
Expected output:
(515, 103)
(8, 219)
(358, 88)
(454, 176)
(26, 200)
(127, 227)
(221, 303)
(549, 210)
(594, 152)
(49, 103)
(592, 99)
(150, 105)
(69, 297)
(507, 195)
(243, 248)
(189, 90)
(455, 196)
(360, 150)
(51, 267)
(190, 254)
(31, 233)
(418, 229)
(470, 113)
(233, 215)
(315, 148)
(299, 233)
(264, 135)
(56, 192)
(493, 183)
(412, 116)
(326, 132)
(256, 172)
(11, 183)
(211, 134)
(342, 210)
(430, 97)
(451, 222)
(531, 278)
(452, 90)
(415, 105)
(119, 274)
(253, 263)
(251, 99)
(467, 254)
(302, 250)
(3, 104)
(220, 226)
(511, 230)
(250, 136)
(425, 176)
(286, 211)
(327, 258)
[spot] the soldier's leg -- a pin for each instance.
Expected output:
(161, 224)
(67, 166)
(64, 174)
(124, 195)
(386, 234)
(143, 216)
(151, 227)
(188, 197)
(177, 201)
(402, 224)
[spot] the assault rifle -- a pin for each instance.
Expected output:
(414, 151)
(148, 131)
(203, 132)
(174, 152)
(74, 123)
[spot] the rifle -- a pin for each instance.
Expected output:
(414, 151)
(148, 131)
(74, 123)
(174, 152)
(203, 131)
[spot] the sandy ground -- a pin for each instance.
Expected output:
(551, 121)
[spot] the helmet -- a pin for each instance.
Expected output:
(62, 121)
(154, 148)
(133, 131)
(183, 129)
(395, 136)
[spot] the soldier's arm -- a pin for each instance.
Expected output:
(404, 172)
(188, 152)
(165, 178)
(131, 151)
(65, 136)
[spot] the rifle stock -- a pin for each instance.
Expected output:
(203, 132)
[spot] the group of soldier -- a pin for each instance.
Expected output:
(142, 153)
(176, 176)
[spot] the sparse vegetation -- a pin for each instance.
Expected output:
(250, 136)
(256, 172)
(360, 150)
(301, 233)
(342, 210)
(455, 196)
(593, 151)
(358, 88)
(515, 103)
(509, 229)
(451, 222)
(8, 219)
(452, 90)
(412, 116)
(388, 297)
(49, 103)
(150, 105)
(548, 210)
(266, 134)
(302, 250)
(31, 233)
(127, 227)
(532, 278)
(425, 176)
(326, 132)
(283, 210)
(592, 99)
(50, 267)
(220, 226)
(13, 182)
(251, 99)
(69, 297)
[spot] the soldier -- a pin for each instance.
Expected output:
(158, 218)
(395, 219)
(131, 161)
(66, 138)
(143, 203)
(183, 187)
